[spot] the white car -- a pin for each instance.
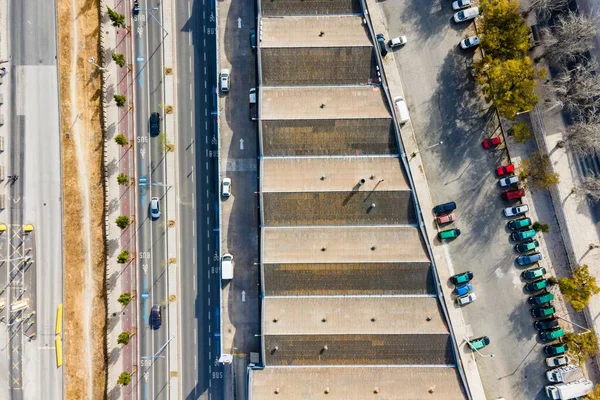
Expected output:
(460, 4)
(466, 299)
(469, 42)
(224, 81)
(511, 180)
(466, 15)
(557, 361)
(226, 187)
(518, 210)
(155, 208)
(397, 41)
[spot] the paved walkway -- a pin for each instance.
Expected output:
(120, 200)
(458, 325)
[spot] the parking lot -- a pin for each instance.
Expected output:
(450, 121)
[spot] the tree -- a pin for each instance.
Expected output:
(124, 379)
(121, 139)
(539, 227)
(123, 179)
(118, 20)
(125, 299)
(595, 395)
(545, 8)
(579, 288)
(578, 90)
(122, 221)
(119, 59)
(120, 99)
(582, 346)
(509, 85)
(123, 257)
(520, 132)
(538, 169)
(572, 35)
(583, 138)
(504, 32)
(164, 142)
(591, 187)
(124, 338)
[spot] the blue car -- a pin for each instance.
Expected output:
(381, 41)
(464, 289)
(529, 259)
(444, 208)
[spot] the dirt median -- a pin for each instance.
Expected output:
(83, 199)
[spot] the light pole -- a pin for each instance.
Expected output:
(477, 351)
(92, 61)
(414, 153)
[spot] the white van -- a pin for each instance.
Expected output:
(403, 115)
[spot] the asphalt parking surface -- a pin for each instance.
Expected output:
(445, 106)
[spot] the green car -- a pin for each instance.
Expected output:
(522, 235)
(553, 334)
(527, 246)
(449, 234)
(253, 39)
(533, 273)
(541, 298)
(542, 312)
(517, 224)
(536, 286)
(479, 343)
(555, 349)
(464, 277)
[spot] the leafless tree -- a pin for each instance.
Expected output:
(545, 8)
(572, 35)
(578, 90)
(583, 138)
(589, 186)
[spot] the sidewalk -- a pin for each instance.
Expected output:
(120, 200)
(409, 143)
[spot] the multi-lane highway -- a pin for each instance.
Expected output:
(32, 152)
(198, 193)
(151, 233)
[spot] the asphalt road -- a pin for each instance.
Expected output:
(33, 153)
(151, 236)
(198, 191)
(445, 106)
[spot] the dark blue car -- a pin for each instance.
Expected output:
(381, 41)
(464, 289)
(444, 208)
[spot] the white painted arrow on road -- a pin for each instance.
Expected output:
(145, 268)
(212, 17)
(241, 144)
(240, 23)
(142, 152)
(243, 296)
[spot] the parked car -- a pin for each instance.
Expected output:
(224, 81)
(536, 286)
(154, 124)
(542, 312)
(252, 39)
(445, 219)
(461, 278)
(514, 194)
(529, 259)
(471, 41)
(460, 4)
(533, 273)
(491, 142)
(154, 208)
(444, 208)
(463, 289)
(381, 41)
(527, 246)
(552, 334)
(397, 41)
(505, 170)
(516, 224)
(466, 15)
(155, 317)
(466, 299)
(555, 349)
(557, 361)
(542, 298)
(511, 180)
(545, 324)
(517, 210)
(479, 343)
(449, 234)
(523, 235)
(226, 187)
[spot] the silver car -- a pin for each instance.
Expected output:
(155, 208)
(511, 180)
(224, 81)
(518, 210)
(226, 187)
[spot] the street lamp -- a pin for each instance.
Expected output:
(92, 61)
(414, 153)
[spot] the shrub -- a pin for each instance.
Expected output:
(122, 221)
(121, 139)
(123, 257)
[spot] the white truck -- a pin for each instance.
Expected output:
(567, 373)
(227, 267)
(571, 390)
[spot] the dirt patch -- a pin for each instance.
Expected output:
(83, 199)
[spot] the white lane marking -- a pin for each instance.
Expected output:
(209, 329)
(207, 208)
(209, 301)
(193, 228)
(207, 221)
(206, 192)
(204, 84)
(189, 9)
(207, 165)
(209, 285)
(208, 246)
(205, 57)
(194, 255)
(191, 120)
(194, 286)
(195, 335)
(209, 320)
(191, 92)
(206, 139)
(190, 64)
(206, 115)
(206, 178)
(193, 201)
(190, 40)
(193, 173)
(195, 361)
(206, 97)
(204, 67)
(206, 125)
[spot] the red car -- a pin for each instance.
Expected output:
(513, 194)
(444, 219)
(492, 142)
(505, 170)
